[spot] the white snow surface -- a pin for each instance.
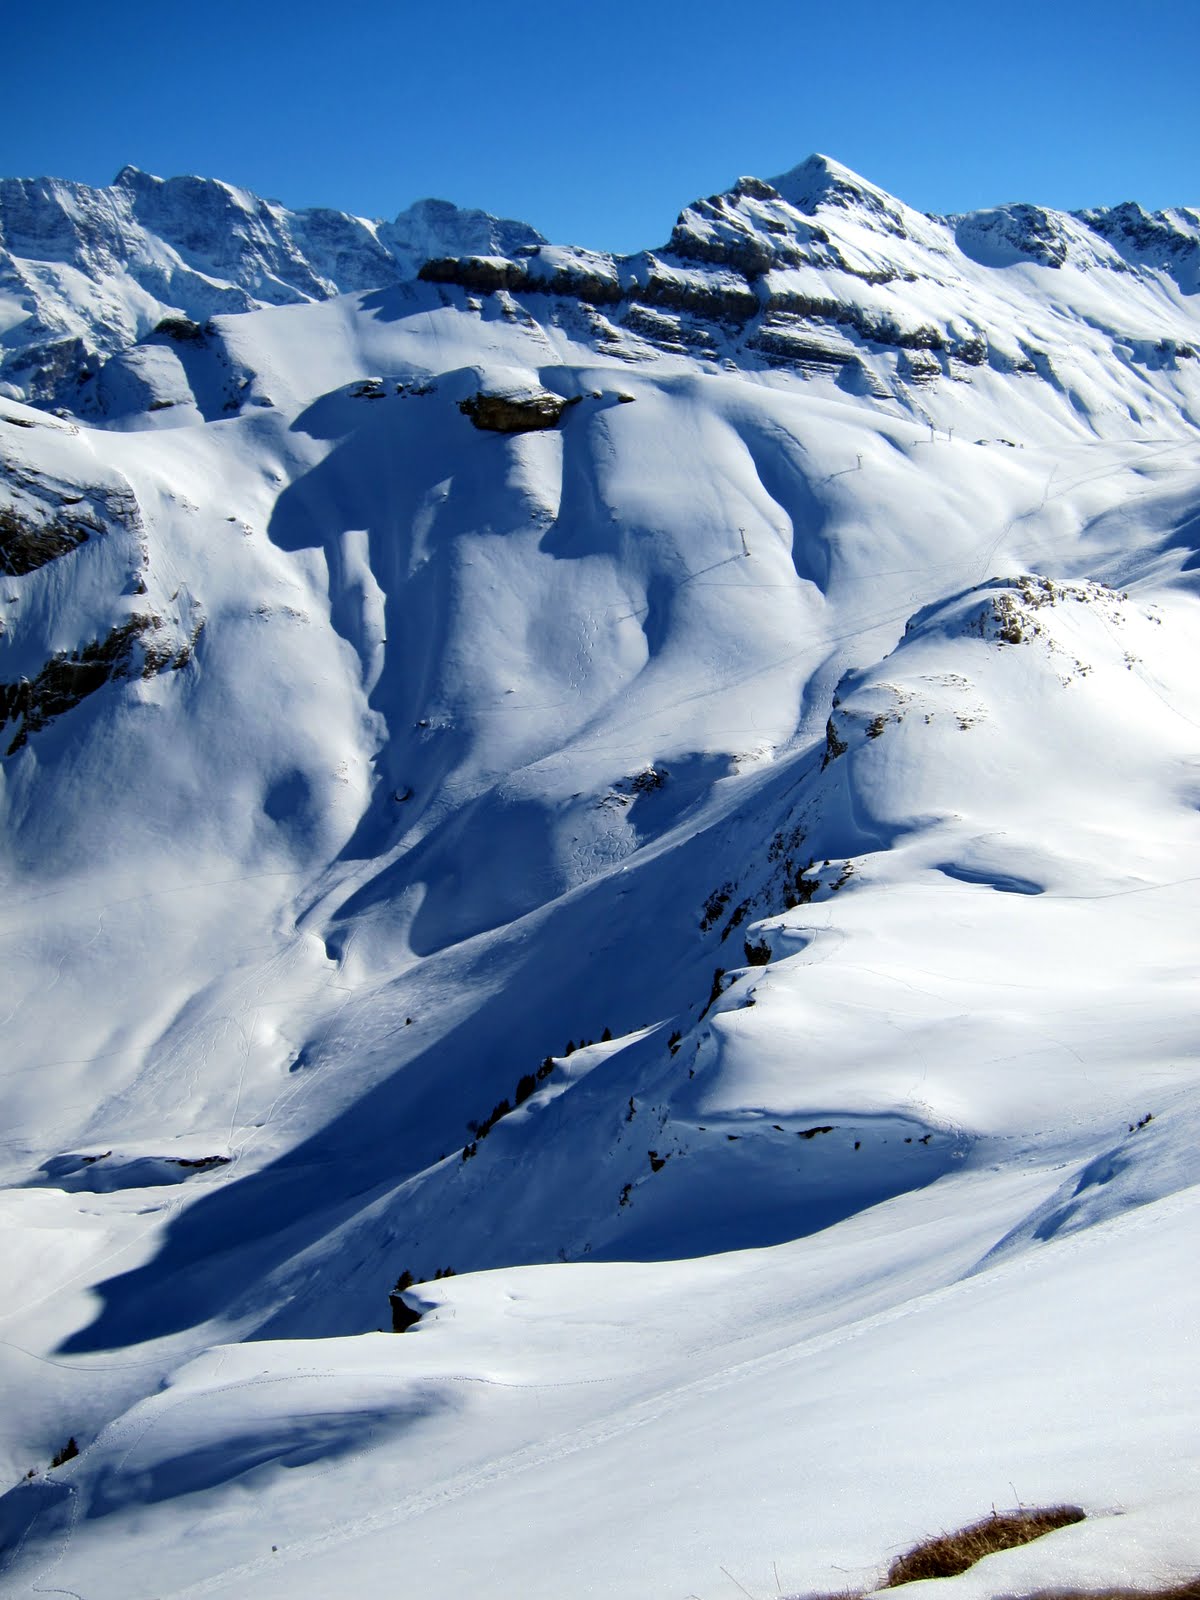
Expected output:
(775, 790)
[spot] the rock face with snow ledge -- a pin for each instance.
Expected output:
(820, 269)
(699, 900)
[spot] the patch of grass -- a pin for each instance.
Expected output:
(951, 1553)
(1190, 1590)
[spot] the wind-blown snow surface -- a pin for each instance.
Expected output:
(812, 737)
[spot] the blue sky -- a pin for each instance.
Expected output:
(598, 122)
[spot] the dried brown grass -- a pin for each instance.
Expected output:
(1190, 1590)
(951, 1553)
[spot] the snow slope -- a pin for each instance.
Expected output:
(718, 873)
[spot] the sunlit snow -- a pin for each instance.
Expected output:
(720, 874)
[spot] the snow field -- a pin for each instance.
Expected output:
(485, 744)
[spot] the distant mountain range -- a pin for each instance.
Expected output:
(85, 273)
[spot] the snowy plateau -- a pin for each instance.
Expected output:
(652, 802)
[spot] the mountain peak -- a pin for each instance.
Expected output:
(822, 181)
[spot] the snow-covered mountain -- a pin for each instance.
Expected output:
(651, 803)
(87, 273)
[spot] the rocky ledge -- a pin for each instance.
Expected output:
(26, 544)
(141, 646)
(516, 413)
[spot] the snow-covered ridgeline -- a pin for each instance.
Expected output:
(87, 272)
(815, 267)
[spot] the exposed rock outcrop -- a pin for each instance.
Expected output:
(141, 646)
(1014, 233)
(1169, 240)
(516, 413)
(26, 545)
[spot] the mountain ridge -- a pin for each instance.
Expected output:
(219, 249)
